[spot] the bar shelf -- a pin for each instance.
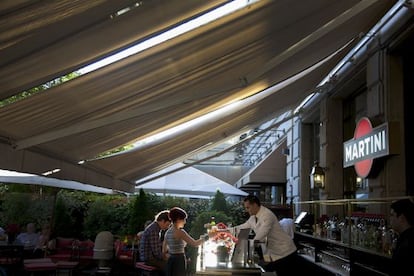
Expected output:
(347, 236)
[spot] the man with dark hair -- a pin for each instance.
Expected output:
(402, 222)
(279, 251)
(150, 246)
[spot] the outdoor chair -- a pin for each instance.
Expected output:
(103, 252)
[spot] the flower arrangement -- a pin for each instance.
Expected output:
(224, 238)
(220, 244)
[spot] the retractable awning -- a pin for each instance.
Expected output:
(263, 48)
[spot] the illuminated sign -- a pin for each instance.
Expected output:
(368, 143)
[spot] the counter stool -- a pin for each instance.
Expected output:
(146, 270)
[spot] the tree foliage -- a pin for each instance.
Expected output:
(219, 203)
(38, 89)
(106, 213)
(22, 208)
(139, 212)
(83, 215)
(114, 151)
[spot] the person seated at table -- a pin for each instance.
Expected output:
(12, 230)
(139, 234)
(43, 241)
(30, 238)
(150, 245)
(3, 236)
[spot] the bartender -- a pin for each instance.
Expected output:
(279, 250)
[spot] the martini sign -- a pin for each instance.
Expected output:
(368, 143)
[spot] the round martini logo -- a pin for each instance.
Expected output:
(363, 128)
(368, 143)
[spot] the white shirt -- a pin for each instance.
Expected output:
(288, 226)
(29, 240)
(268, 230)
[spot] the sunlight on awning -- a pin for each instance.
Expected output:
(28, 178)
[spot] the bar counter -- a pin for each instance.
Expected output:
(230, 269)
(207, 264)
(337, 258)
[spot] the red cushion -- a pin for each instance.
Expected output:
(64, 242)
(127, 253)
(144, 266)
(37, 260)
(64, 245)
(66, 264)
(85, 248)
(40, 266)
(60, 257)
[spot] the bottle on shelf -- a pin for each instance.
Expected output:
(387, 241)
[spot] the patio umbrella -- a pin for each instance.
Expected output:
(189, 182)
(7, 176)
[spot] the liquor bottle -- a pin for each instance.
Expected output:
(213, 221)
(213, 225)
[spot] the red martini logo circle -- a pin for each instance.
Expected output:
(363, 128)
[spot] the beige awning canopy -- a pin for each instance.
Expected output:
(260, 50)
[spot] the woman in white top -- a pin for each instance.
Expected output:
(175, 241)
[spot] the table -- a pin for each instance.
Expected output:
(11, 259)
(231, 269)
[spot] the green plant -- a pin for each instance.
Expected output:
(197, 227)
(139, 212)
(219, 203)
(106, 213)
(21, 208)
